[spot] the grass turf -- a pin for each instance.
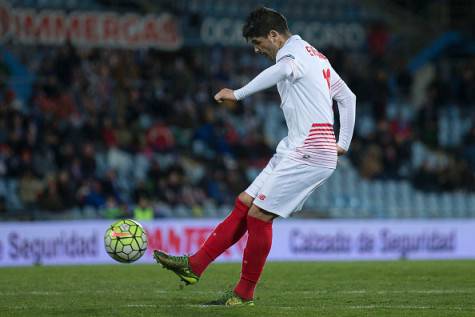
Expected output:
(420, 288)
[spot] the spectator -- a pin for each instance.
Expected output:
(50, 198)
(143, 211)
(67, 189)
(113, 210)
(29, 188)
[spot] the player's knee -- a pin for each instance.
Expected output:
(261, 214)
(255, 212)
(246, 199)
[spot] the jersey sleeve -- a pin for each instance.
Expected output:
(267, 78)
(336, 83)
(287, 67)
(346, 101)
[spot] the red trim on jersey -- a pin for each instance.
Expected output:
(319, 141)
(323, 138)
(320, 145)
(314, 135)
(322, 125)
(338, 81)
(326, 133)
(321, 133)
(323, 151)
(336, 88)
(316, 147)
(321, 129)
(320, 153)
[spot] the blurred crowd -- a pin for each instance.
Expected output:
(114, 130)
(417, 125)
(109, 128)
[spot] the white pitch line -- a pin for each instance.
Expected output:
(161, 291)
(168, 305)
(415, 307)
(407, 307)
(46, 293)
(389, 307)
(441, 291)
(359, 291)
(40, 293)
(364, 291)
(427, 291)
(17, 307)
(315, 292)
(191, 306)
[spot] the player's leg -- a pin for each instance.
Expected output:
(284, 192)
(259, 242)
(226, 234)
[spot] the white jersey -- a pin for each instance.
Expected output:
(307, 84)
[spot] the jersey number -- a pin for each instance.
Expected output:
(314, 52)
(326, 75)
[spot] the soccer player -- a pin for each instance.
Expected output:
(303, 161)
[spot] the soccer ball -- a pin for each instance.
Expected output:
(125, 241)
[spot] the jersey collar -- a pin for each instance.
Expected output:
(293, 37)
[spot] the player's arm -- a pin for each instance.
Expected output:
(346, 101)
(267, 78)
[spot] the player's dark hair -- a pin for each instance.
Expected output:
(261, 21)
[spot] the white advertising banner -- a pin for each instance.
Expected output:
(81, 242)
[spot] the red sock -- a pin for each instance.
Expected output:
(258, 246)
(227, 233)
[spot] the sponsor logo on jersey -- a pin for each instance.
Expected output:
(261, 196)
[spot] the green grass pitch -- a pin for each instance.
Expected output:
(403, 288)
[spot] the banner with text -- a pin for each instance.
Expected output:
(88, 28)
(228, 31)
(81, 242)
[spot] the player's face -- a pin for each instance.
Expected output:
(265, 46)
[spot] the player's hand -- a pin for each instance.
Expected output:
(340, 151)
(225, 94)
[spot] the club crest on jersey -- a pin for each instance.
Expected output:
(261, 196)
